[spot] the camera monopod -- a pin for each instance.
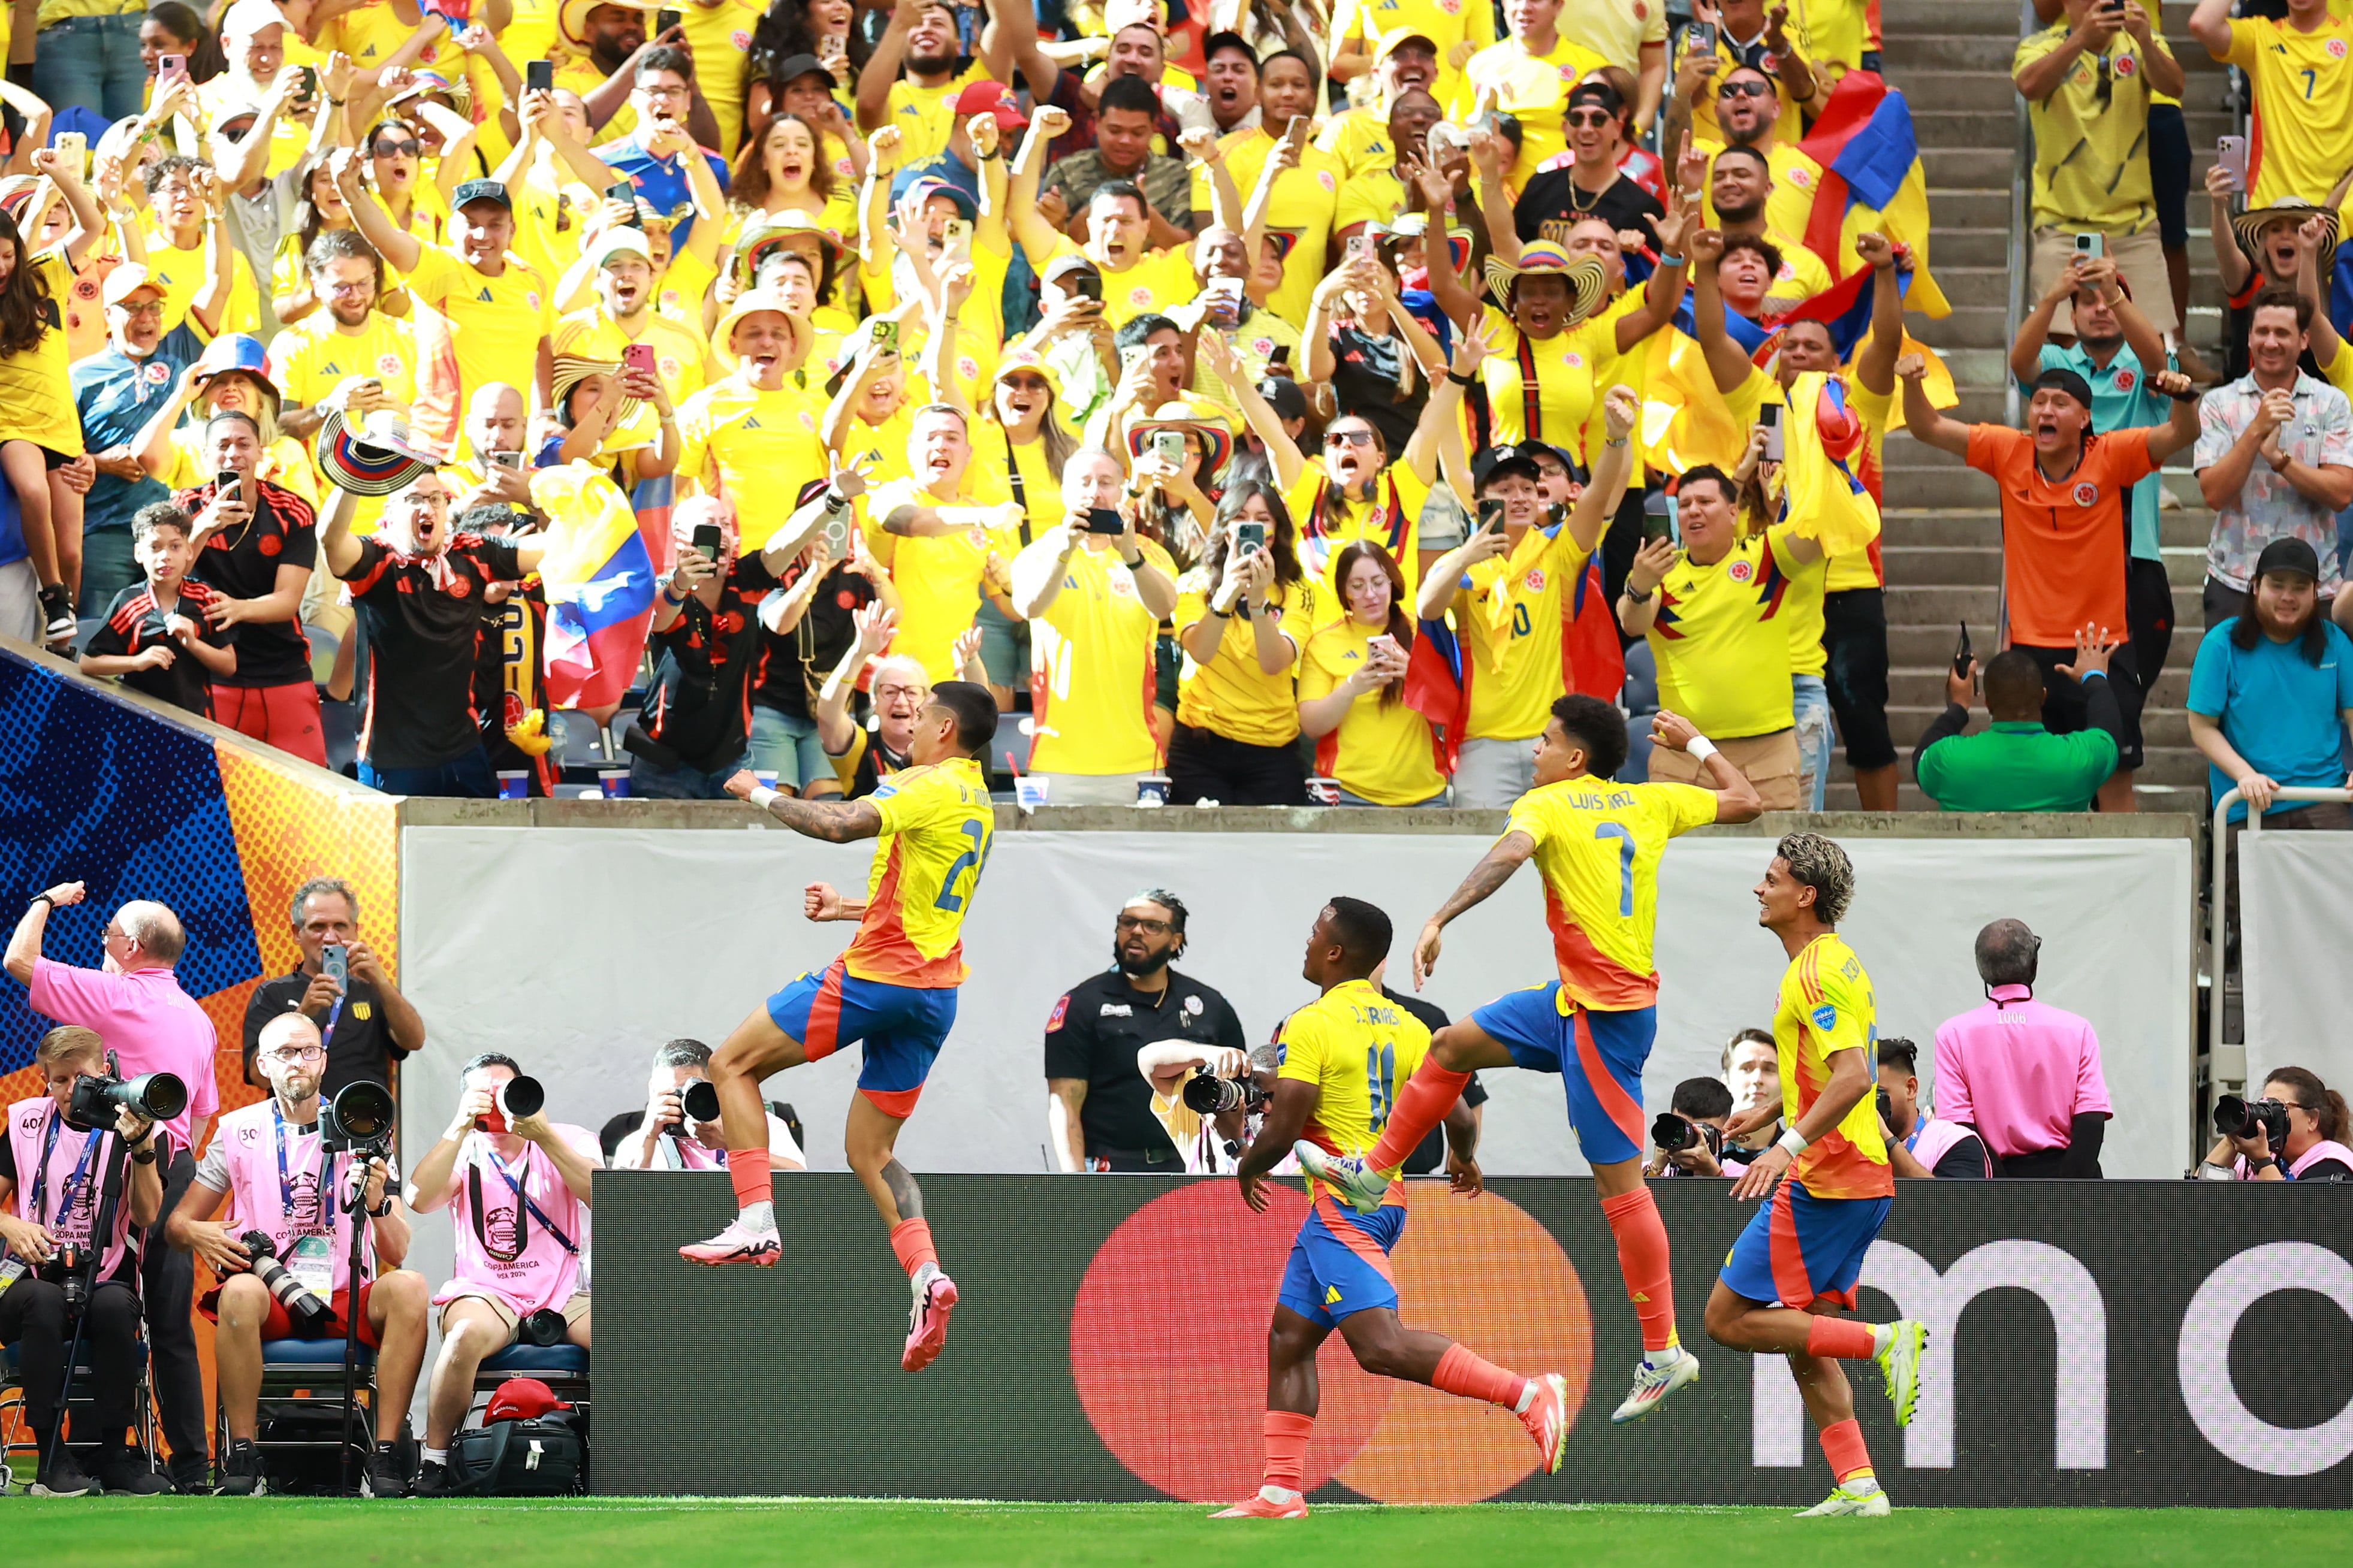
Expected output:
(358, 1120)
(86, 1266)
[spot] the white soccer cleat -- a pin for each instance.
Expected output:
(1872, 1504)
(736, 1243)
(1346, 1175)
(1652, 1384)
(1900, 1361)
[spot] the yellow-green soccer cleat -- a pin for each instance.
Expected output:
(1900, 1361)
(1872, 1504)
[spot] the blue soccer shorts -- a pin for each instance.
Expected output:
(1599, 1056)
(1340, 1263)
(1798, 1250)
(902, 1028)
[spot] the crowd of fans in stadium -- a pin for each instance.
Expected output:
(1242, 404)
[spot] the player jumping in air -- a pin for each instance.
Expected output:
(1341, 1055)
(1802, 1254)
(894, 988)
(1597, 844)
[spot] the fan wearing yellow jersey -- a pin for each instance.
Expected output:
(1802, 1252)
(1597, 844)
(1341, 1057)
(894, 989)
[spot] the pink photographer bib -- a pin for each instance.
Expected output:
(503, 1246)
(283, 1184)
(68, 1178)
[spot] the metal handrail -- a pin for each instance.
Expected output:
(2233, 1070)
(2022, 217)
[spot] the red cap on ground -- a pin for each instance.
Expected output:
(523, 1399)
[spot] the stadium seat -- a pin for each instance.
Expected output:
(1640, 697)
(580, 745)
(563, 1368)
(300, 1412)
(338, 723)
(1008, 753)
(15, 1438)
(84, 629)
(619, 730)
(323, 644)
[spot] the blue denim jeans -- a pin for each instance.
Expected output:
(1812, 701)
(91, 61)
(467, 777)
(649, 782)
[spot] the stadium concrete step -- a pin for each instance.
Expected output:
(1904, 527)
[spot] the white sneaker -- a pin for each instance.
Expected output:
(1900, 1361)
(735, 1245)
(1872, 1504)
(1652, 1384)
(1346, 1175)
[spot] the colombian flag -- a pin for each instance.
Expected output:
(600, 578)
(1438, 686)
(1870, 159)
(1819, 488)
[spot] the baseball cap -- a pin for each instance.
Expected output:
(523, 1399)
(618, 240)
(1497, 461)
(991, 97)
(480, 191)
(2288, 556)
(1285, 395)
(2059, 378)
(1228, 40)
(1391, 43)
(246, 17)
(1596, 92)
(799, 66)
(128, 279)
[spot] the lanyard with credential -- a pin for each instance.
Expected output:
(73, 1183)
(286, 1181)
(545, 1224)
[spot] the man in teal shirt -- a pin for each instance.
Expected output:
(2014, 763)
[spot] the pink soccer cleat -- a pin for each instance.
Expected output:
(1547, 1419)
(1259, 1506)
(760, 1248)
(927, 1324)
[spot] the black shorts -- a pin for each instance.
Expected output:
(1204, 766)
(2064, 711)
(2168, 174)
(2148, 614)
(1854, 638)
(51, 458)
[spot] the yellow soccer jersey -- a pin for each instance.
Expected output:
(926, 115)
(1304, 204)
(1360, 138)
(591, 337)
(1724, 660)
(754, 448)
(1230, 695)
(1508, 612)
(1357, 1048)
(1598, 844)
(1532, 87)
(939, 578)
(1826, 1006)
(2303, 105)
(1563, 366)
(1159, 282)
(36, 399)
(2091, 137)
(495, 323)
(1381, 750)
(1329, 521)
(1091, 667)
(179, 273)
(722, 32)
(314, 358)
(937, 824)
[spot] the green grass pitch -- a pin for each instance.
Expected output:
(590, 1532)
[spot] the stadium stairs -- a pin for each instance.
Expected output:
(1943, 536)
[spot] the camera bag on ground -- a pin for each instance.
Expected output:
(527, 1447)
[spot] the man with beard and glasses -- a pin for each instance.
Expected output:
(1100, 1106)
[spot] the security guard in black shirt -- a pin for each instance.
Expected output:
(1098, 1105)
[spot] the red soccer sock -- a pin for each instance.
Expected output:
(1286, 1448)
(1421, 1105)
(1842, 1446)
(911, 1240)
(1463, 1374)
(748, 1169)
(1642, 1258)
(1841, 1339)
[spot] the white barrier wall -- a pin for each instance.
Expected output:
(578, 950)
(2297, 906)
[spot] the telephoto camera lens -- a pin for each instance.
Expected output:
(360, 1114)
(1887, 1106)
(308, 1313)
(700, 1100)
(521, 1097)
(544, 1328)
(1672, 1134)
(2232, 1119)
(1206, 1094)
(156, 1095)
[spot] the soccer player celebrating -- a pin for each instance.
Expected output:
(1800, 1255)
(1597, 844)
(1341, 1058)
(894, 988)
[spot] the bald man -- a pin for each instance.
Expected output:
(150, 1024)
(498, 471)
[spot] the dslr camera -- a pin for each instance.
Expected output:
(303, 1307)
(1206, 1094)
(2236, 1118)
(155, 1096)
(1674, 1133)
(358, 1120)
(700, 1103)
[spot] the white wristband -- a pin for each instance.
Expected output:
(761, 796)
(1793, 1140)
(1700, 747)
